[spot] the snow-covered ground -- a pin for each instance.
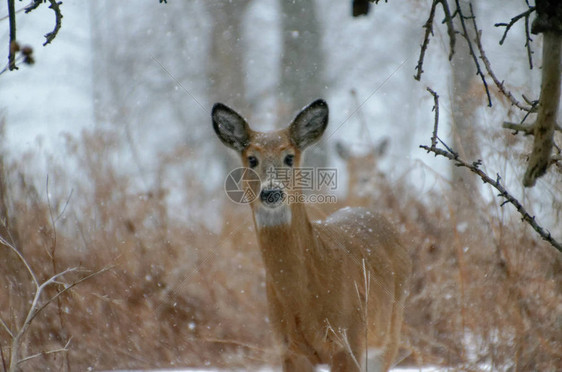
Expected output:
(266, 369)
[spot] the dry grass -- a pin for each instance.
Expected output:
(485, 290)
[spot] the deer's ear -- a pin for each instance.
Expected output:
(309, 125)
(230, 127)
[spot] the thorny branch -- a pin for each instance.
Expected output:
(547, 106)
(436, 110)
(58, 17)
(526, 14)
(474, 167)
(466, 35)
(448, 20)
(13, 44)
(499, 84)
(429, 31)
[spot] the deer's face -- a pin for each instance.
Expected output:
(272, 155)
(362, 169)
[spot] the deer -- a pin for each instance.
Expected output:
(364, 178)
(335, 287)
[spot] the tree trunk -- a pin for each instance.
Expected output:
(464, 103)
(302, 64)
(226, 60)
(226, 73)
(549, 23)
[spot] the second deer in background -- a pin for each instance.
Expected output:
(365, 182)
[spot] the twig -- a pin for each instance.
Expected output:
(341, 338)
(52, 252)
(526, 129)
(4, 364)
(513, 21)
(17, 11)
(466, 35)
(528, 41)
(34, 5)
(499, 84)
(436, 110)
(64, 206)
(70, 286)
(58, 17)
(7, 67)
(36, 307)
(474, 167)
(450, 28)
(53, 225)
(6, 328)
(365, 312)
(22, 259)
(61, 350)
(428, 31)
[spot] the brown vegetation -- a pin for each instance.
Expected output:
(180, 295)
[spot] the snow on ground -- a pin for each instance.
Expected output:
(268, 369)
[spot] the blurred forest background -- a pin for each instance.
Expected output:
(111, 180)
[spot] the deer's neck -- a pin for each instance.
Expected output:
(284, 245)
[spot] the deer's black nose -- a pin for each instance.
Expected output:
(271, 196)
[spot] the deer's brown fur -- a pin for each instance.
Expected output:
(335, 287)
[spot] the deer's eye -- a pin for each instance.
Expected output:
(289, 160)
(252, 161)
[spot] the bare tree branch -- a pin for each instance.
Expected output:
(528, 41)
(526, 129)
(499, 84)
(58, 18)
(474, 167)
(34, 5)
(68, 287)
(36, 307)
(21, 258)
(526, 14)
(13, 45)
(450, 28)
(436, 110)
(26, 52)
(6, 328)
(429, 31)
(513, 21)
(60, 350)
(465, 33)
